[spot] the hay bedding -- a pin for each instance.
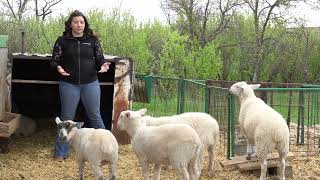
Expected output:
(31, 158)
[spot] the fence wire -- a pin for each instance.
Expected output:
(299, 106)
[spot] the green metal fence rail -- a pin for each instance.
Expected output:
(299, 106)
(168, 96)
(193, 97)
(221, 105)
(162, 93)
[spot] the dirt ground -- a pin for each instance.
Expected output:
(31, 158)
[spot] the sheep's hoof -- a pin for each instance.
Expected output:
(104, 162)
(248, 157)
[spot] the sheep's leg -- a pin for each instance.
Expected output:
(199, 165)
(211, 150)
(112, 170)
(251, 151)
(145, 169)
(264, 168)
(193, 170)
(282, 158)
(156, 172)
(197, 171)
(96, 168)
(200, 160)
(81, 164)
(183, 172)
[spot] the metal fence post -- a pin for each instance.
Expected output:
(231, 128)
(207, 99)
(148, 81)
(232, 125)
(300, 132)
(316, 108)
(181, 96)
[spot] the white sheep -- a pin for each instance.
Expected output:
(262, 126)
(96, 146)
(205, 125)
(171, 144)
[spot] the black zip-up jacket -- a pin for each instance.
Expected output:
(80, 57)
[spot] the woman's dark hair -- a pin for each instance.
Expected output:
(67, 24)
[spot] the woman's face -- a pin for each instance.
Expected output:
(77, 26)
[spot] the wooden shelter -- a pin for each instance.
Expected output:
(35, 91)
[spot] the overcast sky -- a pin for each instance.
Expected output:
(145, 10)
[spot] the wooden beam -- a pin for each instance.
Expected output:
(272, 165)
(50, 82)
(226, 164)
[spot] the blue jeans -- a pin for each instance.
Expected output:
(70, 95)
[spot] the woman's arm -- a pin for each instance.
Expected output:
(56, 54)
(56, 57)
(101, 62)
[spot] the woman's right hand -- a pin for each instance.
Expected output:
(62, 71)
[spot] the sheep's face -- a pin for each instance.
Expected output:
(65, 127)
(242, 88)
(127, 116)
(237, 88)
(123, 119)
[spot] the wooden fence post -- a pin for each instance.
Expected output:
(3, 69)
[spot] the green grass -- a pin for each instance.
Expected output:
(158, 107)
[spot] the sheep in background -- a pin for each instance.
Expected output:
(205, 125)
(170, 144)
(262, 125)
(5, 144)
(27, 127)
(93, 145)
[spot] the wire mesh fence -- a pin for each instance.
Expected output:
(299, 107)
(298, 104)
(162, 95)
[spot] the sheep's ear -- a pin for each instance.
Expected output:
(57, 120)
(255, 86)
(79, 124)
(142, 111)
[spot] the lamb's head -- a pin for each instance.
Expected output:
(243, 89)
(65, 127)
(127, 116)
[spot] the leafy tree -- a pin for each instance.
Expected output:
(264, 12)
(202, 20)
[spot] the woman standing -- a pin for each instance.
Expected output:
(77, 56)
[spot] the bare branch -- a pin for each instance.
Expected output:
(15, 9)
(46, 8)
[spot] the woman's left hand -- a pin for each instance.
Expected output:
(104, 67)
